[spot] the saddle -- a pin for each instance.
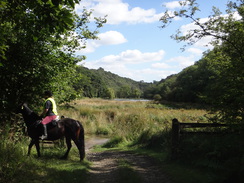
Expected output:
(50, 125)
(53, 123)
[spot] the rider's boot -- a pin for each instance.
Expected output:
(44, 136)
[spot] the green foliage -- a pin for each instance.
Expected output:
(223, 152)
(157, 97)
(227, 98)
(99, 83)
(37, 44)
(109, 93)
(189, 85)
(217, 78)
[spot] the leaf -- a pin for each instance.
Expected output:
(35, 38)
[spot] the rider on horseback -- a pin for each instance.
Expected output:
(49, 112)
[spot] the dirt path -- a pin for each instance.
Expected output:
(105, 167)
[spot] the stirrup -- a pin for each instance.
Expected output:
(43, 137)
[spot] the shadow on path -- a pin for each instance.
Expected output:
(104, 168)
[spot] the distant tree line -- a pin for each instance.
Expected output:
(103, 84)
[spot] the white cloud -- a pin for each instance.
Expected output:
(136, 56)
(160, 66)
(106, 38)
(121, 64)
(119, 12)
(195, 51)
(149, 74)
(131, 57)
(111, 38)
(182, 61)
(172, 5)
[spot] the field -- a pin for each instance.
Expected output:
(142, 127)
(127, 119)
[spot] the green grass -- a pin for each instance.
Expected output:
(52, 170)
(17, 167)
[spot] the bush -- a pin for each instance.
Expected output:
(216, 153)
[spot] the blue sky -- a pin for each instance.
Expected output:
(132, 45)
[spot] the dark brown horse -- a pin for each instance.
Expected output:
(66, 127)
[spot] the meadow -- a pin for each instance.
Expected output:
(127, 119)
(140, 126)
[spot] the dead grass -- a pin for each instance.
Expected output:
(127, 118)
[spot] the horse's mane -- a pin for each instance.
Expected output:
(32, 116)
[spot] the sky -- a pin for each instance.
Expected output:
(131, 44)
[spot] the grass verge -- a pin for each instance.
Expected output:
(17, 167)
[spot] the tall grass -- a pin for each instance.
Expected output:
(11, 156)
(145, 124)
(17, 167)
(132, 121)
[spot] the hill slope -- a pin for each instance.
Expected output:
(100, 83)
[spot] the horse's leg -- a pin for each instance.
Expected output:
(81, 147)
(37, 144)
(32, 142)
(80, 142)
(69, 145)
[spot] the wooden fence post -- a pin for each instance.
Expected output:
(175, 138)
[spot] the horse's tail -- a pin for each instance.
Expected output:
(80, 135)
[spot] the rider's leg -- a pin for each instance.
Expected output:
(44, 123)
(44, 136)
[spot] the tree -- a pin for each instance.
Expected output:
(227, 58)
(37, 45)
(109, 93)
(124, 91)
(157, 97)
(135, 93)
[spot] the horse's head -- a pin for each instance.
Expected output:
(21, 108)
(28, 114)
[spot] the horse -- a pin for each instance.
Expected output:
(66, 127)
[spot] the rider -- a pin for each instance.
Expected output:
(49, 112)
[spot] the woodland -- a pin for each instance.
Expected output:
(39, 38)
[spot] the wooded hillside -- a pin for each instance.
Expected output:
(100, 83)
